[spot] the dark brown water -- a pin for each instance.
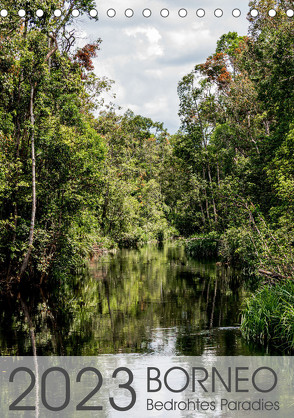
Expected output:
(153, 300)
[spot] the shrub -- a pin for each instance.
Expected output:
(236, 247)
(268, 317)
(203, 245)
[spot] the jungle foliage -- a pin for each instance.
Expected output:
(70, 182)
(74, 178)
(51, 155)
(234, 151)
(234, 161)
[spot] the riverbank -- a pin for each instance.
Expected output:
(267, 315)
(153, 299)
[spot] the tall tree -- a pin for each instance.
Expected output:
(47, 90)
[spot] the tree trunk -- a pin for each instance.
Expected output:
(202, 214)
(212, 193)
(33, 212)
(205, 195)
(213, 305)
(218, 177)
(204, 139)
(18, 136)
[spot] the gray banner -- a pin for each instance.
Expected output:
(147, 386)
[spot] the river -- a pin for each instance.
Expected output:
(150, 300)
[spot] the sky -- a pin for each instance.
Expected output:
(147, 57)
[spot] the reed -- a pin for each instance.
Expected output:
(268, 317)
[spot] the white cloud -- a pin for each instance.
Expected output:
(147, 41)
(155, 73)
(147, 57)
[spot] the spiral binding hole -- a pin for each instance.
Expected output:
(129, 12)
(111, 13)
(147, 13)
(218, 13)
(200, 13)
(75, 13)
(236, 13)
(254, 12)
(182, 13)
(39, 13)
(93, 13)
(164, 13)
(272, 13)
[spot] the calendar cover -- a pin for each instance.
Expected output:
(146, 208)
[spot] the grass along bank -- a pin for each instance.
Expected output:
(268, 315)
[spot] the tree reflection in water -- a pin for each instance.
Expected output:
(147, 300)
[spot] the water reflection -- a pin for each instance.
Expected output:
(153, 300)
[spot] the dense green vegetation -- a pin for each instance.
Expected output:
(235, 153)
(72, 182)
(132, 207)
(268, 318)
(69, 181)
(51, 155)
